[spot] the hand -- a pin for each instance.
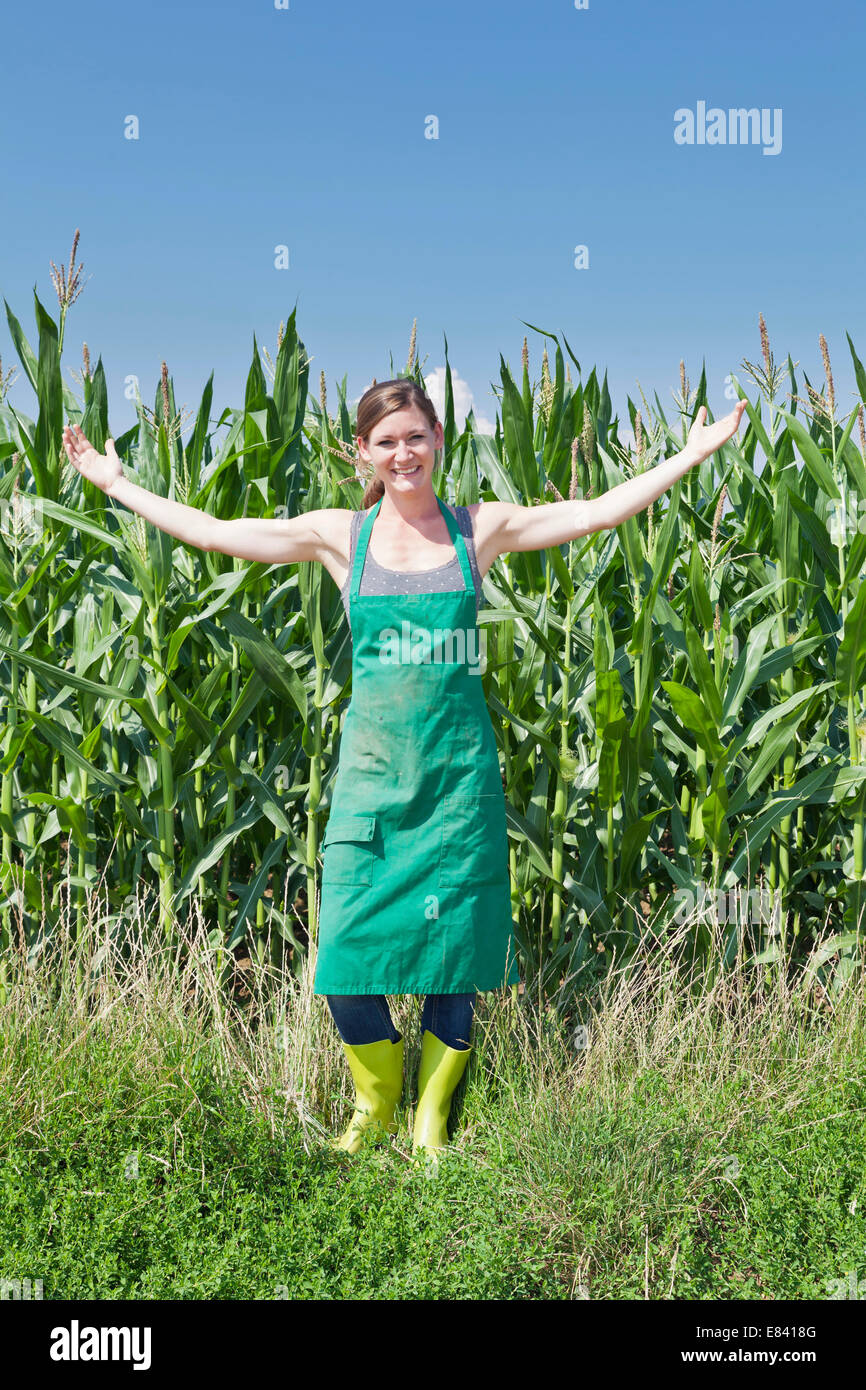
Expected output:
(101, 469)
(704, 440)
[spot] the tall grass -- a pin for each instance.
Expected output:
(164, 1136)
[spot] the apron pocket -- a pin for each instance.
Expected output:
(474, 840)
(348, 842)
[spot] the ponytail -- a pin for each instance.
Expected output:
(372, 493)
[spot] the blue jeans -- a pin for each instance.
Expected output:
(365, 1018)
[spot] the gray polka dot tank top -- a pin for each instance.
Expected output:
(376, 579)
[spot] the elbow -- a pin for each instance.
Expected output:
(592, 517)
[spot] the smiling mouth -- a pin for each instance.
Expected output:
(406, 472)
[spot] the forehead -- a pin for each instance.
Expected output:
(399, 422)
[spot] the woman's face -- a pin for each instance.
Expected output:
(402, 448)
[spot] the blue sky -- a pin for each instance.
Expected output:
(304, 127)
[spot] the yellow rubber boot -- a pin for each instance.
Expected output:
(377, 1071)
(440, 1070)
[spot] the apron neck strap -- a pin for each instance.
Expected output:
(364, 540)
(459, 545)
(361, 550)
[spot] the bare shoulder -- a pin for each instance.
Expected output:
(487, 515)
(488, 518)
(333, 525)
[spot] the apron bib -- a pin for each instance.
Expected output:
(415, 892)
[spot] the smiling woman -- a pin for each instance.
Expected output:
(419, 793)
(415, 889)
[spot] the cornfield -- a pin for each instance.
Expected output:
(679, 704)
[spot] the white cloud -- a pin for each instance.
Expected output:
(434, 383)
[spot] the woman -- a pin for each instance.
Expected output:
(415, 889)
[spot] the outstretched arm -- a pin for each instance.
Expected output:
(512, 527)
(269, 540)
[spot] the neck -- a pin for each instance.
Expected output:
(411, 508)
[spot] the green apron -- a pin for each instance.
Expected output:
(415, 894)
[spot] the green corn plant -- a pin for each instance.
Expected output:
(679, 703)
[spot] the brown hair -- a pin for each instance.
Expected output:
(382, 399)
